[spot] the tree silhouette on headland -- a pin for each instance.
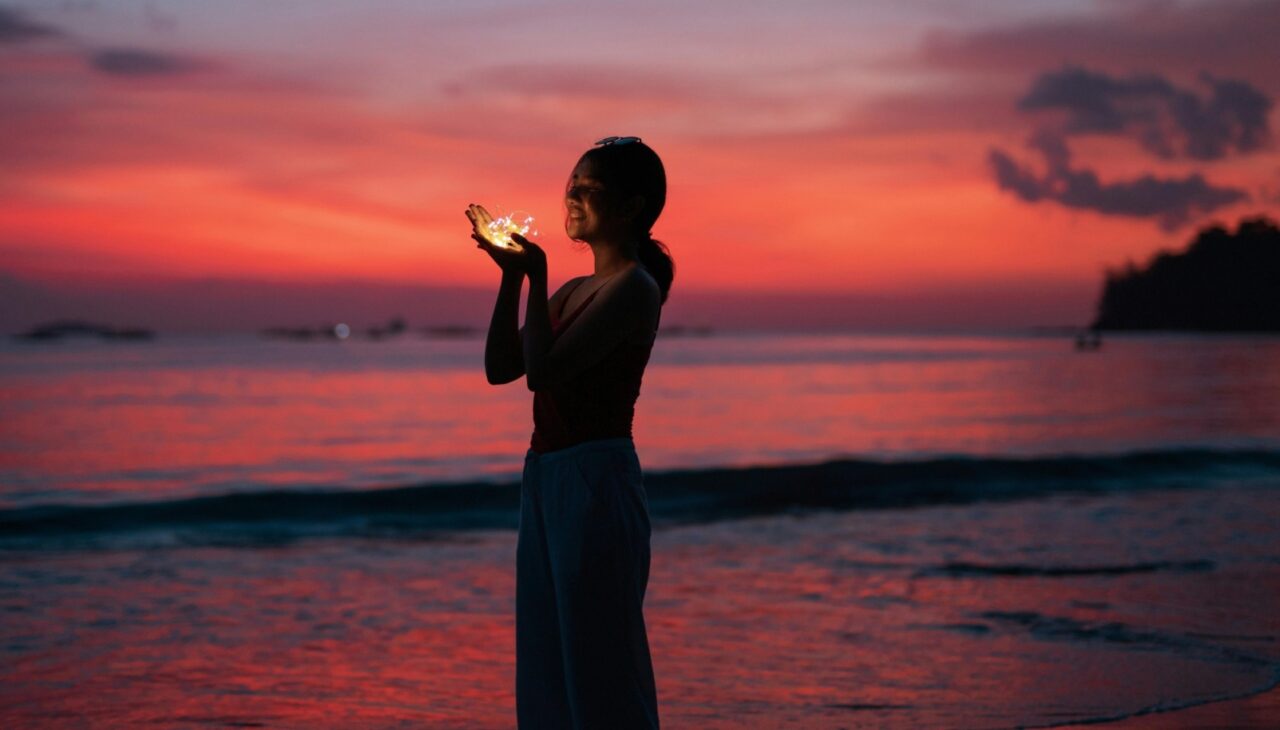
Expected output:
(1223, 282)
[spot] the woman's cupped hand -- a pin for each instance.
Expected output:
(529, 259)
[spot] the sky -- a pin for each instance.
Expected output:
(879, 164)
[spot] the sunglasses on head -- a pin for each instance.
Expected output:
(616, 140)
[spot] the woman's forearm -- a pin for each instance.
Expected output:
(503, 361)
(537, 331)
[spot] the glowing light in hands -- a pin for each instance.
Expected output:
(499, 230)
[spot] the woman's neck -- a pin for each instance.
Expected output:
(612, 257)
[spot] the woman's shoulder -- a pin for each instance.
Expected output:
(635, 292)
(640, 298)
(640, 282)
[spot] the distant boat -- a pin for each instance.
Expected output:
(1088, 340)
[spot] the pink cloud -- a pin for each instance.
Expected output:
(1225, 37)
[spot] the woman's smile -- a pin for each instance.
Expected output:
(581, 200)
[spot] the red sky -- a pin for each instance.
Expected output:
(830, 164)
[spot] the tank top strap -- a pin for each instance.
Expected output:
(562, 321)
(559, 315)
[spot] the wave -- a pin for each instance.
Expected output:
(673, 497)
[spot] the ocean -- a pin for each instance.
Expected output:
(850, 530)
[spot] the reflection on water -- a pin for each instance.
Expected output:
(827, 620)
(94, 421)
(1067, 608)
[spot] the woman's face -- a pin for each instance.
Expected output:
(585, 200)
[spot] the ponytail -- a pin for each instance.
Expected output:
(656, 258)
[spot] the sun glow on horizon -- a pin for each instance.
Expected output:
(237, 159)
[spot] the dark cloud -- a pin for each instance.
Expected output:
(1172, 202)
(15, 29)
(1166, 120)
(136, 62)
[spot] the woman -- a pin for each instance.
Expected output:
(582, 556)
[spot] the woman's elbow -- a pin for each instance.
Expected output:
(499, 377)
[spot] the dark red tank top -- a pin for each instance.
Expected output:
(597, 403)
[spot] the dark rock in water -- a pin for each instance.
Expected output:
(678, 330)
(1223, 282)
(323, 332)
(340, 331)
(450, 331)
(394, 328)
(293, 333)
(75, 328)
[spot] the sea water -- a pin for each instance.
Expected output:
(88, 422)
(850, 530)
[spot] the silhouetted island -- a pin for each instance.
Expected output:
(1223, 282)
(65, 329)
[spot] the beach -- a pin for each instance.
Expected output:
(922, 585)
(1070, 609)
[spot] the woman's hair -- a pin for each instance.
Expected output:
(631, 169)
